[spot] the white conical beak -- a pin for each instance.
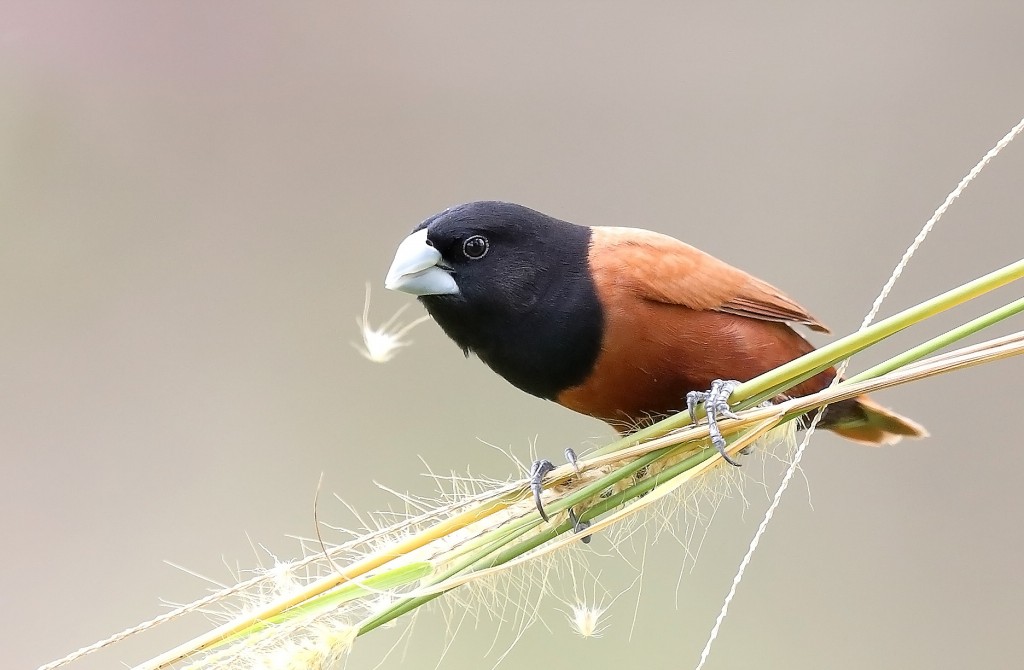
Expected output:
(415, 269)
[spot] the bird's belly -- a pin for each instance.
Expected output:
(648, 364)
(630, 396)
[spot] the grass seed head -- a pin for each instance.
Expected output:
(380, 345)
(586, 619)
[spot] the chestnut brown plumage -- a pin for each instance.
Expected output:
(616, 323)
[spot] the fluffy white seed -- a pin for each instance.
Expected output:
(381, 344)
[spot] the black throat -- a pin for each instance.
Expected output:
(544, 342)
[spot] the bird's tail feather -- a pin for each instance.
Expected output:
(865, 421)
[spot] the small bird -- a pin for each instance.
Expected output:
(621, 324)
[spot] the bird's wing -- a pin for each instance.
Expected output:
(664, 269)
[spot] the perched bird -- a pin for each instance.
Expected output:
(621, 324)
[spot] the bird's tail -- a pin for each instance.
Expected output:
(865, 421)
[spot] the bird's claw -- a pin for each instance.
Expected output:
(570, 457)
(541, 467)
(716, 405)
(578, 525)
(538, 469)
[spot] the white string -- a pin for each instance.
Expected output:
(1016, 130)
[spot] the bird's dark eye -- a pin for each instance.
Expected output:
(475, 247)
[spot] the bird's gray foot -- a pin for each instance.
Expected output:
(578, 525)
(541, 467)
(538, 469)
(716, 404)
(570, 457)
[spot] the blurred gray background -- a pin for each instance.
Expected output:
(192, 196)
